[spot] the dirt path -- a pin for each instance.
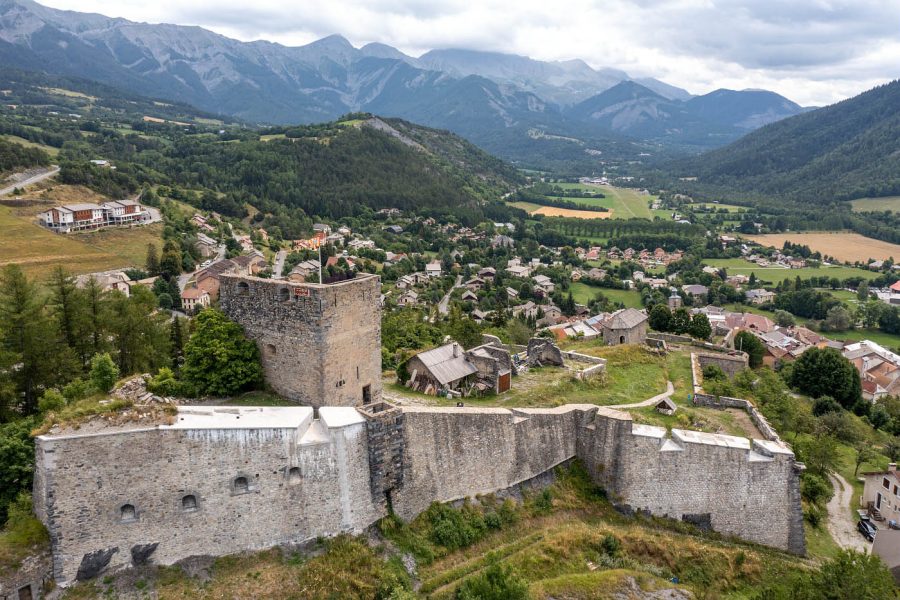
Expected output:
(840, 522)
(670, 389)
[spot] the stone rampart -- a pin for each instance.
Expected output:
(320, 344)
(222, 480)
(219, 481)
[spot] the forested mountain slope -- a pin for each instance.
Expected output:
(848, 150)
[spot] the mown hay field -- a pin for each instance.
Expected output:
(844, 246)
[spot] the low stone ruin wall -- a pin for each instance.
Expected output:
(597, 365)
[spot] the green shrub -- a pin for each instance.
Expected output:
(494, 583)
(611, 545)
(543, 502)
(51, 400)
(813, 515)
(713, 372)
(78, 389)
(815, 489)
(164, 383)
(104, 372)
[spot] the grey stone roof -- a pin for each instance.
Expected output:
(445, 367)
(626, 318)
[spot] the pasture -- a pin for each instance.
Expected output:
(891, 203)
(584, 293)
(774, 275)
(844, 246)
(29, 144)
(623, 203)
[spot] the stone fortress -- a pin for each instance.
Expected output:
(221, 480)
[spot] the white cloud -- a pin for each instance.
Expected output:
(812, 51)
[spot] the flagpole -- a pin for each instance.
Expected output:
(319, 245)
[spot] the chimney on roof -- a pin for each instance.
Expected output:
(456, 352)
(892, 467)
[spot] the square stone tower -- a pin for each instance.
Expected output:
(320, 344)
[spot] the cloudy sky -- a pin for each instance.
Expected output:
(813, 51)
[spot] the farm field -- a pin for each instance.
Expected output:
(844, 246)
(39, 251)
(552, 211)
(876, 204)
(739, 266)
(729, 207)
(625, 203)
(584, 293)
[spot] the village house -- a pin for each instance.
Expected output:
(206, 246)
(487, 273)
(881, 494)
(449, 368)
(552, 315)
(519, 271)
(408, 298)
(625, 326)
(109, 281)
(696, 290)
(194, 299)
(878, 367)
(512, 294)
(502, 241)
(527, 310)
(475, 284)
(303, 269)
(544, 283)
(359, 244)
(760, 296)
(469, 296)
(433, 269)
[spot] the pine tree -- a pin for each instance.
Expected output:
(177, 342)
(152, 262)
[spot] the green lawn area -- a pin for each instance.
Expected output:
(584, 293)
(274, 136)
(876, 204)
(739, 266)
(633, 374)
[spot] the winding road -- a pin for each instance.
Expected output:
(35, 178)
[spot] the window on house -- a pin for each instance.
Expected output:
(284, 294)
(294, 475)
(127, 513)
(243, 288)
(886, 483)
(241, 485)
(189, 502)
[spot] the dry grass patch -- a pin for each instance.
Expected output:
(552, 211)
(844, 246)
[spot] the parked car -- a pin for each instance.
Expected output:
(866, 528)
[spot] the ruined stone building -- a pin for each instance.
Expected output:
(221, 480)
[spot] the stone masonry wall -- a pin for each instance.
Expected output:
(320, 344)
(731, 364)
(303, 482)
(341, 473)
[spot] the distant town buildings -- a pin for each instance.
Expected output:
(86, 216)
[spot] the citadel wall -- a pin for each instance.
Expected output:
(319, 344)
(303, 478)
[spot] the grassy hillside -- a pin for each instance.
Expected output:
(840, 152)
(39, 250)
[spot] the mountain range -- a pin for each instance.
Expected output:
(847, 150)
(529, 111)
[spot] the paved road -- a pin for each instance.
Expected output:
(841, 523)
(670, 389)
(444, 304)
(35, 178)
(279, 263)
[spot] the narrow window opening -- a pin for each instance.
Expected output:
(243, 288)
(294, 475)
(127, 513)
(271, 350)
(241, 485)
(284, 294)
(189, 502)
(367, 394)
